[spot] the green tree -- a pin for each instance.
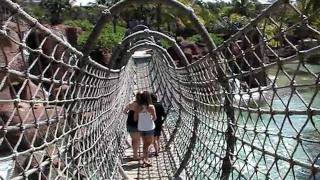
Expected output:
(56, 9)
(107, 39)
(248, 8)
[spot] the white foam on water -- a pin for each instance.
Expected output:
(5, 169)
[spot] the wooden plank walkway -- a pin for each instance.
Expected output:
(163, 166)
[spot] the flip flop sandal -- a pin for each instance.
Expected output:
(144, 165)
(148, 164)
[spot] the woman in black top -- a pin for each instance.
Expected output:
(161, 115)
(132, 125)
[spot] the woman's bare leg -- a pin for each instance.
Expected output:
(156, 144)
(157, 140)
(147, 141)
(135, 137)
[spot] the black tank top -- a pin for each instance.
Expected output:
(130, 120)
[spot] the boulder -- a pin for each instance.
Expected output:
(24, 125)
(39, 120)
(247, 58)
(192, 51)
(44, 65)
(11, 56)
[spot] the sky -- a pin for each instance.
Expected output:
(84, 2)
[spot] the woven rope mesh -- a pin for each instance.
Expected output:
(248, 110)
(55, 112)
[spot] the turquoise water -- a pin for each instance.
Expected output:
(279, 134)
(275, 134)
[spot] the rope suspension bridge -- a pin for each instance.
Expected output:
(245, 110)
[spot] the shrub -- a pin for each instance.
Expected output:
(239, 20)
(108, 38)
(165, 43)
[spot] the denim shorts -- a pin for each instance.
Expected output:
(157, 132)
(132, 129)
(147, 133)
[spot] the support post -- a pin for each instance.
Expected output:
(230, 140)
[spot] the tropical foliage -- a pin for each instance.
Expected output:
(220, 18)
(108, 37)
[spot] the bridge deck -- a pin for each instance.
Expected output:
(162, 167)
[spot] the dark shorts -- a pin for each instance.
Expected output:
(132, 129)
(157, 132)
(147, 133)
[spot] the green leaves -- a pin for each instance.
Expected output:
(36, 11)
(107, 38)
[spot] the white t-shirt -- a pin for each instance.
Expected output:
(145, 122)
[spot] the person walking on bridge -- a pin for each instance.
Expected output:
(146, 125)
(132, 125)
(161, 115)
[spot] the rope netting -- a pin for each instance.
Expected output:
(247, 110)
(56, 106)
